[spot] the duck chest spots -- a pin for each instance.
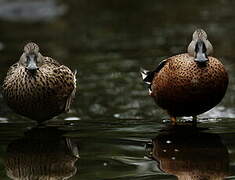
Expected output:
(181, 83)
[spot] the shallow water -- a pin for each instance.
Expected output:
(114, 130)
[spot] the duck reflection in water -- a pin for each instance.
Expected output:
(190, 154)
(43, 153)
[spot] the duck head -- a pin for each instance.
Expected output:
(31, 58)
(200, 47)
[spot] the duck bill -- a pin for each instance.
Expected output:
(32, 66)
(200, 50)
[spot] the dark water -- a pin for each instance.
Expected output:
(114, 130)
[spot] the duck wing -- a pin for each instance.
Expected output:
(148, 76)
(72, 95)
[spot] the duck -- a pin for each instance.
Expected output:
(38, 87)
(188, 84)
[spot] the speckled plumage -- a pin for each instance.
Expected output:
(42, 94)
(185, 87)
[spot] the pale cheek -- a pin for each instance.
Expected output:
(23, 63)
(209, 48)
(39, 63)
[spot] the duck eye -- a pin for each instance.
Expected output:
(27, 58)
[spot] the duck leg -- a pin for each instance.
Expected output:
(173, 120)
(194, 121)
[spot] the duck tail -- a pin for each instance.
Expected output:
(147, 76)
(75, 76)
(75, 72)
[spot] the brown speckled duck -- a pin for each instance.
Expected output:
(188, 84)
(38, 87)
